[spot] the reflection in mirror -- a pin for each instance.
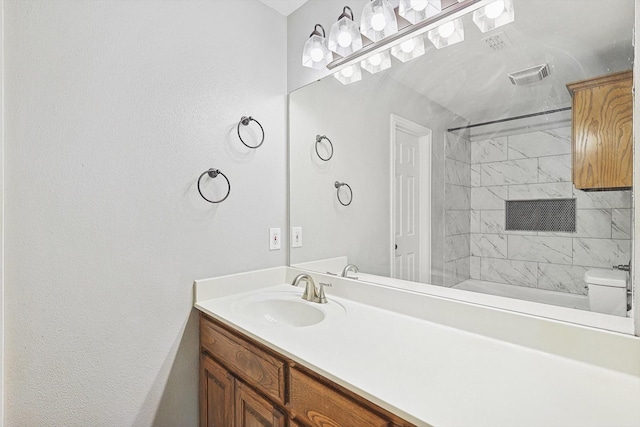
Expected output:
(439, 150)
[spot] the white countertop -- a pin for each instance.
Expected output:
(429, 373)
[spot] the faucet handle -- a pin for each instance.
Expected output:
(322, 298)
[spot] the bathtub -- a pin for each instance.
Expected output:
(562, 299)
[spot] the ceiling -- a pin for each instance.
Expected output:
(284, 7)
(578, 39)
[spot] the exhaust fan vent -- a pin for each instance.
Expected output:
(529, 75)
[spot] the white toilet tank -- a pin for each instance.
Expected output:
(607, 291)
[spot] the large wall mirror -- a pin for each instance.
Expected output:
(425, 172)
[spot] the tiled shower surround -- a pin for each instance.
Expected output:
(481, 175)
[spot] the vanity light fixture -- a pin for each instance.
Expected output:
(344, 36)
(419, 10)
(449, 33)
(315, 53)
(409, 49)
(378, 62)
(349, 74)
(443, 29)
(494, 15)
(378, 20)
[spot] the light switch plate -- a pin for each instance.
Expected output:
(274, 239)
(296, 237)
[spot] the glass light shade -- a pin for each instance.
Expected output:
(344, 37)
(315, 53)
(378, 62)
(449, 33)
(418, 10)
(494, 15)
(378, 20)
(350, 74)
(409, 49)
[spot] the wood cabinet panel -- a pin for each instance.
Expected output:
(602, 132)
(216, 394)
(321, 406)
(251, 410)
(246, 360)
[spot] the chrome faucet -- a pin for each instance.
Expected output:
(348, 268)
(310, 292)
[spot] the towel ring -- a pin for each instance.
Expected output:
(244, 121)
(340, 184)
(319, 139)
(213, 173)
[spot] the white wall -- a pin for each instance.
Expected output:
(113, 109)
(2, 217)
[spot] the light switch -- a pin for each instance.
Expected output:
(274, 239)
(296, 237)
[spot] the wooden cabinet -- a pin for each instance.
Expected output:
(245, 384)
(251, 410)
(216, 394)
(602, 138)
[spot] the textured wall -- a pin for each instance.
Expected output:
(114, 109)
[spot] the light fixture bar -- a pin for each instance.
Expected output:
(449, 14)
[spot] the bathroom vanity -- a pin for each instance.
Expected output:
(245, 383)
(381, 356)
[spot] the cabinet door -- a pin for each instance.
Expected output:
(319, 405)
(216, 394)
(255, 411)
(602, 134)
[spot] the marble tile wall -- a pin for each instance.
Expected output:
(534, 165)
(457, 209)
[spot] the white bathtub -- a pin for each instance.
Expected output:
(562, 299)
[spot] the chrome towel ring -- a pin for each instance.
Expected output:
(319, 139)
(340, 184)
(213, 173)
(244, 121)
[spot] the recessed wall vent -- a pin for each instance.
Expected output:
(541, 215)
(497, 42)
(529, 75)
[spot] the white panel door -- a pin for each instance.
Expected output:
(407, 206)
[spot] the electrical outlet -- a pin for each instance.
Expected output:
(296, 237)
(274, 239)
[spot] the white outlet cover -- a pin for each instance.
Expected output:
(274, 239)
(296, 237)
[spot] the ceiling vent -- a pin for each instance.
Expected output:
(497, 42)
(529, 75)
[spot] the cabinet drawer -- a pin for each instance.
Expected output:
(244, 359)
(318, 405)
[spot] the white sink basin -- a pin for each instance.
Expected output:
(284, 312)
(285, 309)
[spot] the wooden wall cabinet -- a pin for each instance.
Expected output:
(244, 384)
(602, 138)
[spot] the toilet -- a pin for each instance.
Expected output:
(607, 291)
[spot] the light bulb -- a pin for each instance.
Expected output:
(495, 9)
(378, 21)
(419, 4)
(407, 46)
(344, 39)
(375, 60)
(446, 30)
(347, 72)
(316, 54)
